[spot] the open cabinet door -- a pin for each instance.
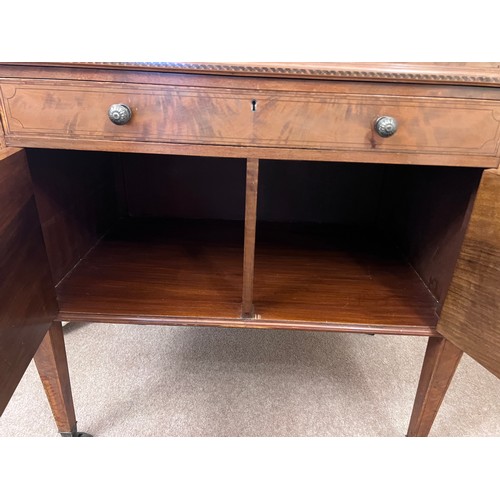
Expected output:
(27, 296)
(471, 314)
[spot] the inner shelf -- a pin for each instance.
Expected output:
(158, 268)
(342, 278)
(308, 276)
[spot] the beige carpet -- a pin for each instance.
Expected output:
(163, 381)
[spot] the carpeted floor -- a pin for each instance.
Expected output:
(177, 381)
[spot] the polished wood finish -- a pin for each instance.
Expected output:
(168, 113)
(52, 365)
(440, 362)
(27, 298)
(342, 273)
(458, 73)
(252, 152)
(332, 275)
(345, 122)
(189, 271)
(471, 314)
(144, 269)
(250, 226)
(270, 153)
(283, 124)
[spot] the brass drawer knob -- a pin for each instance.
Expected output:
(119, 114)
(385, 126)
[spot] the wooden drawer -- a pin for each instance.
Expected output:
(160, 113)
(252, 118)
(346, 122)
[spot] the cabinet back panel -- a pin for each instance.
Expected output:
(184, 187)
(214, 188)
(321, 192)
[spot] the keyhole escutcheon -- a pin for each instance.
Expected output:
(254, 104)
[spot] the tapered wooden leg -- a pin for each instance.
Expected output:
(52, 366)
(440, 362)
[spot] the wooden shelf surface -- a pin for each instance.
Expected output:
(149, 267)
(339, 276)
(190, 272)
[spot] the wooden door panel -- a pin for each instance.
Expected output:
(471, 313)
(27, 296)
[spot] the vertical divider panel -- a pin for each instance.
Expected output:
(252, 183)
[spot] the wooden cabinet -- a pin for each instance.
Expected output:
(235, 198)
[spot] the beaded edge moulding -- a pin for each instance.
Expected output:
(449, 73)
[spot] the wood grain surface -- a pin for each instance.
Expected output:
(253, 117)
(27, 298)
(163, 268)
(440, 362)
(314, 277)
(458, 73)
(330, 274)
(252, 185)
(471, 313)
(270, 153)
(52, 365)
(190, 272)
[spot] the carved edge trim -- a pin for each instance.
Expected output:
(453, 76)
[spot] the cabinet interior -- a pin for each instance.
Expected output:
(157, 238)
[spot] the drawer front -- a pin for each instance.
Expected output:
(261, 118)
(346, 122)
(170, 114)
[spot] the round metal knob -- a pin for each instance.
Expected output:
(385, 126)
(119, 114)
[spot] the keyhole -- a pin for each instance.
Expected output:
(254, 105)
